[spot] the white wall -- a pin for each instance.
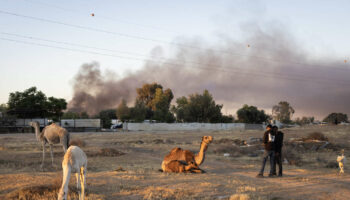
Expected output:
(182, 126)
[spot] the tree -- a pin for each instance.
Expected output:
(147, 93)
(106, 117)
(304, 120)
(123, 111)
(198, 108)
(283, 112)
(157, 102)
(138, 112)
(55, 107)
(251, 114)
(28, 104)
(227, 119)
(336, 118)
(161, 106)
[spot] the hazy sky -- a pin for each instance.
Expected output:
(136, 27)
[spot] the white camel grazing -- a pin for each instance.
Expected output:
(52, 134)
(74, 161)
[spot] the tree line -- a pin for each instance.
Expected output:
(153, 102)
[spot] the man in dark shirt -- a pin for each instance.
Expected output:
(278, 150)
(269, 144)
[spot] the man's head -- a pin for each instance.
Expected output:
(275, 128)
(268, 127)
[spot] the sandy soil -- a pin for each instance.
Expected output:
(135, 174)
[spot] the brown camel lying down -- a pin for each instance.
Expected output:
(186, 157)
(180, 167)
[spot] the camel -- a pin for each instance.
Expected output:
(52, 134)
(74, 161)
(188, 156)
(180, 167)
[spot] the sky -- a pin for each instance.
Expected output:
(129, 33)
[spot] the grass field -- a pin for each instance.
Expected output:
(125, 166)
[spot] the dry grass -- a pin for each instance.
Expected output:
(135, 174)
(77, 142)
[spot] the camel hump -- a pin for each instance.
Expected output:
(176, 149)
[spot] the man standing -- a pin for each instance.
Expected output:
(278, 150)
(269, 144)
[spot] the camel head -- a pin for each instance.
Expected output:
(207, 139)
(34, 124)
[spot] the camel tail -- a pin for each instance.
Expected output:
(160, 170)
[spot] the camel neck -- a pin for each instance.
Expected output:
(37, 132)
(199, 158)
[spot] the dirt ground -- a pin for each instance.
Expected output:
(124, 165)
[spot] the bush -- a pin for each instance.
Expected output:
(292, 156)
(316, 136)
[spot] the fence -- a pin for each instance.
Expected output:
(190, 126)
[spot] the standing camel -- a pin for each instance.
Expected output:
(188, 156)
(74, 161)
(52, 134)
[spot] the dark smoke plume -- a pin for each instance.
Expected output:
(262, 70)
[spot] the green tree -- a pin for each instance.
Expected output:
(283, 112)
(106, 117)
(198, 108)
(138, 112)
(251, 114)
(123, 111)
(227, 119)
(336, 118)
(304, 120)
(55, 107)
(28, 104)
(157, 102)
(161, 106)
(146, 93)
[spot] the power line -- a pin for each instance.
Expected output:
(239, 72)
(150, 39)
(162, 58)
(102, 16)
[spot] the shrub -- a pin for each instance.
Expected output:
(316, 136)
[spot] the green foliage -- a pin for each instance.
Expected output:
(55, 107)
(283, 112)
(147, 93)
(336, 118)
(198, 108)
(156, 101)
(33, 103)
(304, 120)
(123, 111)
(106, 116)
(227, 119)
(251, 114)
(138, 112)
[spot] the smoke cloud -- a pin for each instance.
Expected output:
(265, 68)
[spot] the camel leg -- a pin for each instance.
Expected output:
(77, 175)
(51, 154)
(199, 171)
(82, 182)
(65, 182)
(42, 163)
